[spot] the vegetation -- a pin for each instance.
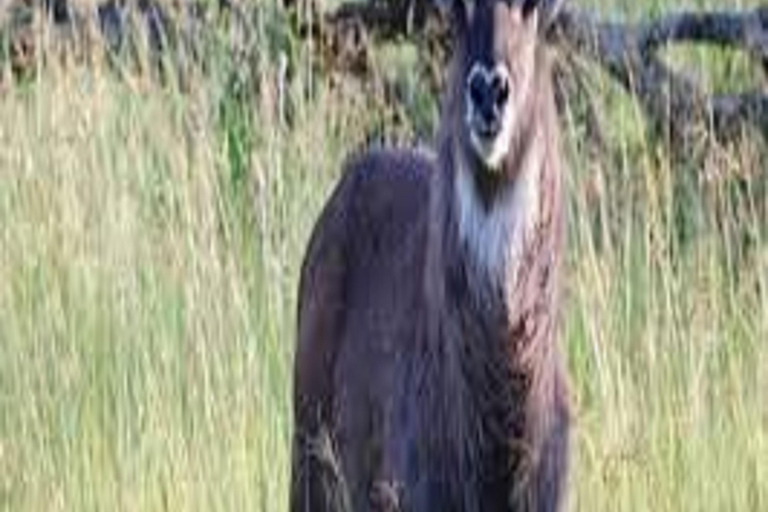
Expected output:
(150, 240)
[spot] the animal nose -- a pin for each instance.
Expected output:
(489, 93)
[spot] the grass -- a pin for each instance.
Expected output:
(146, 310)
(668, 344)
(147, 286)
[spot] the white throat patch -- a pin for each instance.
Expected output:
(495, 236)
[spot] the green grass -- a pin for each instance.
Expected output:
(147, 286)
(668, 345)
(146, 306)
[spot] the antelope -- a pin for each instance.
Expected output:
(427, 373)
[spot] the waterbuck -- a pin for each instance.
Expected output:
(427, 376)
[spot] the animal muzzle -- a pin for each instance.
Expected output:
(487, 96)
(489, 113)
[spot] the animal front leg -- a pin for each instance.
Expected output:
(385, 496)
(317, 484)
(551, 474)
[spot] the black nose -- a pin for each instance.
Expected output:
(489, 93)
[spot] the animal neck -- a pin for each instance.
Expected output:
(495, 214)
(493, 233)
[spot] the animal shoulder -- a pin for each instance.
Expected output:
(382, 175)
(386, 190)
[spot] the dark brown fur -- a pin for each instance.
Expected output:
(415, 389)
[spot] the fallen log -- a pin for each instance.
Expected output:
(674, 104)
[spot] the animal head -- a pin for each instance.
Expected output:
(496, 52)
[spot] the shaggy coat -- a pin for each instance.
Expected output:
(427, 376)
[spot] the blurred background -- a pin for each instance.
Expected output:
(161, 167)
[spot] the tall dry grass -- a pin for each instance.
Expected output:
(146, 304)
(149, 247)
